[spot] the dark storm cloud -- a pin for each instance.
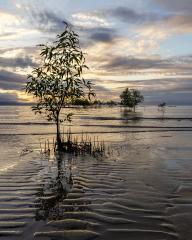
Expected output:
(11, 81)
(22, 62)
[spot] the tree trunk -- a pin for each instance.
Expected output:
(59, 142)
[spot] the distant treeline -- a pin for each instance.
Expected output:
(86, 102)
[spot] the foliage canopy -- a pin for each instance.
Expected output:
(131, 98)
(58, 80)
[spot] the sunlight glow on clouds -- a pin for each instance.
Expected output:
(126, 44)
(8, 19)
(89, 20)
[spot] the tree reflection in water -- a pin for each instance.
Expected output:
(127, 115)
(57, 177)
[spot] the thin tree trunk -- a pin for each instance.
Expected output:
(59, 143)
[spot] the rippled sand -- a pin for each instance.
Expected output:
(131, 193)
(140, 189)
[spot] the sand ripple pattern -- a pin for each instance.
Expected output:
(109, 200)
(130, 195)
(19, 188)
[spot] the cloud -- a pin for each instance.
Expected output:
(174, 25)
(11, 88)
(9, 23)
(128, 15)
(103, 92)
(13, 97)
(7, 35)
(153, 85)
(8, 98)
(101, 54)
(162, 85)
(11, 81)
(102, 37)
(171, 90)
(145, 32)
(125, 64)
(175, 5)
(151, 27)
(46, 21)
(8, 19)
(22, 62)
(90, 36)
(89, 19)
(179, 24)
(122, 56)
(119, 42)
(118, 63)
(14, 52)
(43, 19)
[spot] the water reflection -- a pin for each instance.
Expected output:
(162, 111)
(58, 182)
(127, 115)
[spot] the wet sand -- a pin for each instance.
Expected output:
(140, 189)
(131, 193)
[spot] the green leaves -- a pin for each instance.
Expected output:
(59, 78)
(131, 97)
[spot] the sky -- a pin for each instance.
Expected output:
(146, 45)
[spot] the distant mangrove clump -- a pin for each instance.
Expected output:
(131, 98)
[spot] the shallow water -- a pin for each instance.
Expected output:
(140, 189)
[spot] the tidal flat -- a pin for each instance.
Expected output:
(140, 188)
